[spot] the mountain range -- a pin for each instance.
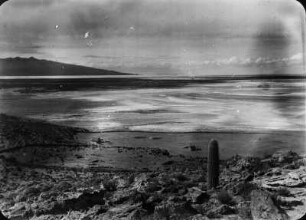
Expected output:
(35, 67)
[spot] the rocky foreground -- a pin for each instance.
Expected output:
(250, 188)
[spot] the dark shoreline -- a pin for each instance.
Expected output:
(66, 84)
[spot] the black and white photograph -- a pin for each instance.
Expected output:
(152, 110)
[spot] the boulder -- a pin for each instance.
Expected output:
(83, 202)
(221, 210)
(249, 178)
(263, 207)
(244, 210)
(198, 217)
(137, 214)
(274, 172)
(171, 210)
(151, 202)
(197, 196)
(124, 211)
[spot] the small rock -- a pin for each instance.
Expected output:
(120, 197)
(137, 214)
(275, 172)
(174, 210)
(176, 199)
(169, 162)
(292, 166)
(198, 217)
(249, 178)
(182, 191)
(244, 210)
(153, 200)
(202, 186)
(165, 153)
(63, 186)
(140, 137)
(155, 138)
(99, 141)
(193, 148)
(198, 196)
(221, 210)
(294, 176)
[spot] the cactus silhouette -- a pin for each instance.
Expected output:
(213, 164)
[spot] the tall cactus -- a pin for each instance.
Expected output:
(213, 164)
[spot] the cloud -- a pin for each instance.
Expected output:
(51, 23)
(294, 59)
(161, 18)
(32, 3)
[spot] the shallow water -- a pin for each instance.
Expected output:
(241, 106)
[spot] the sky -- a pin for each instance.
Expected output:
(160, 37)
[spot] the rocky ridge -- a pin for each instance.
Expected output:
(250, 188)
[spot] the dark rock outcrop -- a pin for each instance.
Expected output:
(83, 203)
(289, 190)
(2, 217)
(198, 196)
(2, 1)
(20, 132)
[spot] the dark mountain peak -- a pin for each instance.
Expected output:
(11, 59)
(31, 66)
(32, 58)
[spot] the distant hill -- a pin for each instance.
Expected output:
(35, 67)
